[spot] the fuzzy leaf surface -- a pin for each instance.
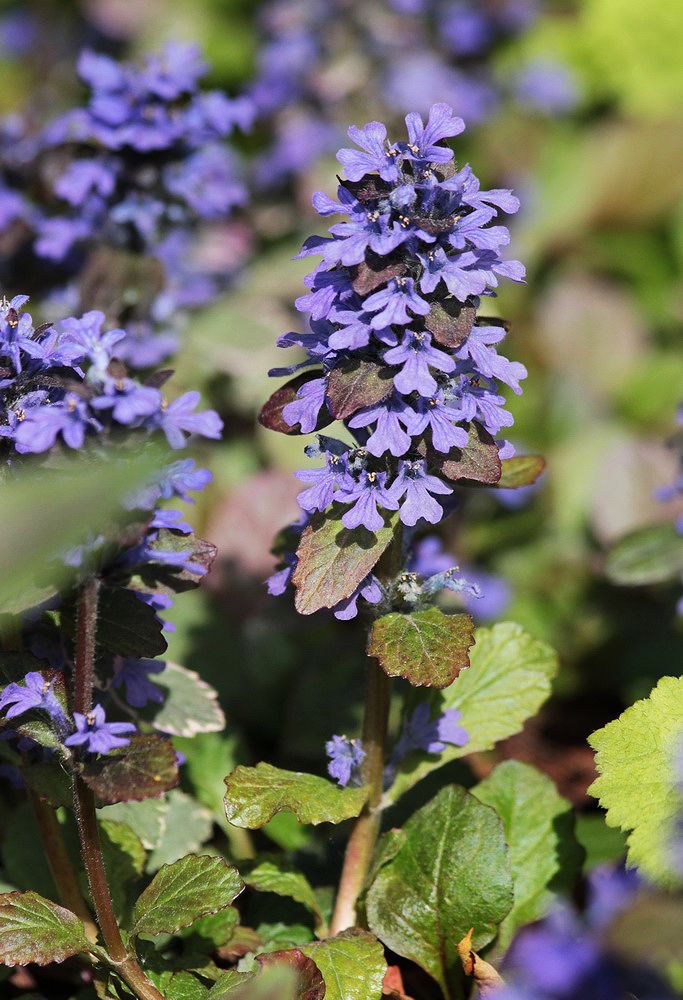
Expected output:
(144, 769)
(352, 388)
(182, 892)
(520, 470)
(352, 964)
(509, 678)
(647, 555)
(255, 794)
(33, 929)
(478, 461)
(635, 761)
(545, 857)
(426, 648)
(451, 873)
(334, 560)
(271, 876)
(190, 705)
(450, 323)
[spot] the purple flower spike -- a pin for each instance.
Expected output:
(346, 757)
(96, 735)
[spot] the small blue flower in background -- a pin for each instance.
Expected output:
(346, 757)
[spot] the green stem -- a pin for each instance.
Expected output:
(364, 835)
(84, 805)
(59, 862)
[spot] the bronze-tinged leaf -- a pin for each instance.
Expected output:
(519, 471)
(309, 983)
(142, 770)
(334, 560)
(368, 189)
(478, 461)
(450, 323)
(34, 929)
(271, 411)
(426, 648)
(363, 384)
(368, 278)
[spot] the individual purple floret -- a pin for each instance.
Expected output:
(346, 757)
(421, 732)
(36, 692)
(96, 735)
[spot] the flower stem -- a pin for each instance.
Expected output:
(361, 845)
(59, 862)
(84, 806)
(364, 835)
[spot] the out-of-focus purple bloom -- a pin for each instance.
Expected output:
(346, 757)
(128, 401)
(96, 735)
(422, 732)
(547, 86)
(178, 418)
(133, 676)
(42, 425)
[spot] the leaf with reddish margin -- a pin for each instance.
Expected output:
(519, 471)
(352, 964)
(426, 648)
(478, 461)
(142, 770)
(34, 929)
(353, 388)
(334, 560)
(309, 983)
(271, 411)
(368, 278)
(450, 323)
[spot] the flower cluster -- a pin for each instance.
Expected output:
(568, 957)
(62, 388)
(411, 52)
(142, 168)
(419, 732)
(396, 346)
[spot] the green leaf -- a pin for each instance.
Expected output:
(269, 875)
(604, 845)
(145, 768)
(23, 857)
(127, 626)
(212, 756)
(190, 704)
(33, 929)
(187, 826)
(146, 818)
(124, 860)
(180, 893)
(352, 964)
(355, 386)
(186, 986)
(478, 461)
(308, 980)
(520, 470)
(545, 857)
(276, 983)
(508, 679)
(426, 648)
(451, 873)
(46, 512)
(634, 759)
(255, 794)
(648, 555)
(333, 560)
(213, 930)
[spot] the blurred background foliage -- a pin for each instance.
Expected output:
(598, 325)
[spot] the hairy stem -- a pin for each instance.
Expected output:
(84, 806)
(361, 845)
(364, 835)
(59, 862)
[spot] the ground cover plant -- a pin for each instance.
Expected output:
(354, 766)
